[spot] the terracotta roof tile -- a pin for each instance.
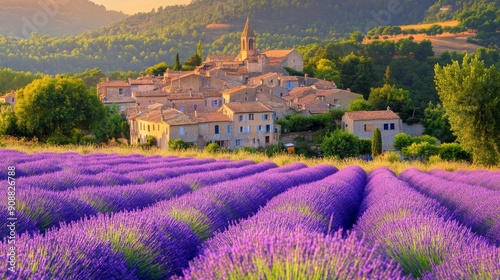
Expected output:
(207, 117)
(114, 84)
(372, 115)
(306, 99)
(176, 117)
(141, 82)
(247, 107)
(277, 54)
(317, 107)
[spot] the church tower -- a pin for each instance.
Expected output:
(248, 42)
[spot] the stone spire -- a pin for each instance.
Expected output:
(248, 31)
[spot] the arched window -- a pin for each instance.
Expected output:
(250, 44)
(243, 47)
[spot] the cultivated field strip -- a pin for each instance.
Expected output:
(155, 242)
(46, 209)
(418, 232)
(487, 179)
(476, 207)
(183, 218)
(286, 239)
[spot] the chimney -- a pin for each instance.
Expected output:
(388, 108)
(196, 113)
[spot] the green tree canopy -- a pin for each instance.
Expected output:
(340, 144)
(177, 64)
(157, 69)
(359, 104)
(470, 94)
(327, 70)
(48, 106)
(436, 123)
(397, 99)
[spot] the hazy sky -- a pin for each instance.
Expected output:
(135, 6)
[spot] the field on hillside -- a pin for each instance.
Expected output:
(441, 43)
(427, 25)
(112, 216)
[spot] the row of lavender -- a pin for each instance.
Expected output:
(156, 242)
(42, 209)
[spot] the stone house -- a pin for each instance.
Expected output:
(253, 124)
(163, 125)
(214, 127)
(9, 98)
(142, 84)
(337, 98)
(243, 93)
(362, 124)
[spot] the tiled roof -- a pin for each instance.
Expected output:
(184, 96)
(211, 92)
(265, 76)
(151, 116)
(247, 107)
(150, 93)
(114, 84)
(10, 94)
(317, 107)
(372, 115)
(300, 91)
(141, 82)
(322, 84)
(176, 117)
(221, 58)
(288, 78)
(277, 54)
(207, 117)
(306, 99)
(234, 90)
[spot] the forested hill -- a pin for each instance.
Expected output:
(434, 14)
(55, 18)
(293, 17)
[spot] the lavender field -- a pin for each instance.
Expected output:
(110, 216)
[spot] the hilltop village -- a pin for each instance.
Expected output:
(229, 100)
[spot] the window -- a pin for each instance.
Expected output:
(229, 128)
(216, 129)
(386, 126)
(181, 130)
(265, 117)
(335, 101)
(238, 143)
(247, 129)
(215, 103)
(254, 140)
(120, 92)
(240, 118)
(368, 127)
(268, 128)
(149, 128)
(241, 129)
(250, 117)
(181, 109)
(206, 103)
(259, 128)
(392, 126)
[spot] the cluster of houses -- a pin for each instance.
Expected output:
(233, 101)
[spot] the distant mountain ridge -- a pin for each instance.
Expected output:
(53, 17)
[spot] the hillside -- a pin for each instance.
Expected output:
(436, 13)
(55, 18)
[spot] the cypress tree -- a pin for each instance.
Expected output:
(376, 143)
(177, 65)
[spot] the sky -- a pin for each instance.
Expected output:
(135, 6)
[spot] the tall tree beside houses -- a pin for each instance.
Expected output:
(376, 143)
(177, 63)
(470, 94)
(199, 50)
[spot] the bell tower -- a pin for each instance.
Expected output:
(248, 42)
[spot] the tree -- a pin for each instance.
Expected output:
(356, 37)
(177, 64)
(470, 94)
(193, 61)
(376, 142)
(112, 125)
(340, 144)
(436, 123)
(199, 50)
(359, 104)
(49, 105)
(327, 70)
(397, 99)
(157, 69)
(358, 73)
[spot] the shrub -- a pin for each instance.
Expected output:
(392, 157)
(178, 144)
(340, 144)
(59, 139)
(420, 151)
(402, 140)
(453, 152)
(212, 148)
(365, 146)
